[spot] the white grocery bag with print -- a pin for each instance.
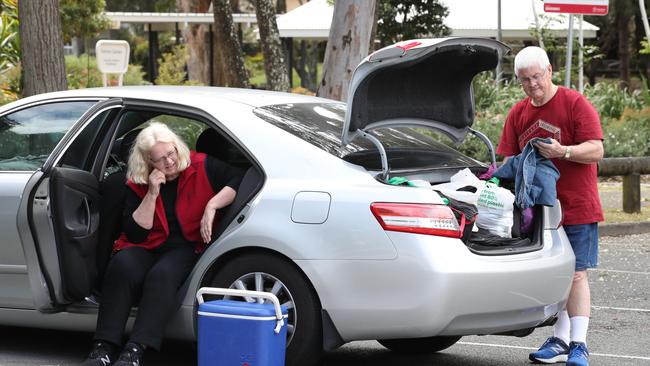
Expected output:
(495, 210)
(462, 180)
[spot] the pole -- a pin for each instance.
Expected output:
(540, 39)
(581, 41)
(644, 18)
(498, 70)
(569, 52)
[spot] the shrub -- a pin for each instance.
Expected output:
(172, 68)
(610, 100)
(626, 137)
(82, 72)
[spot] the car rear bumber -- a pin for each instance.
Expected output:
(436, 286)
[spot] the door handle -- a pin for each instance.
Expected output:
(86, 207)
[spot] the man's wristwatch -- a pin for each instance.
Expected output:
(567, 153)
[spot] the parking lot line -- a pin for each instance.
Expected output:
(534, 349)
(621, 309)
(617, 271)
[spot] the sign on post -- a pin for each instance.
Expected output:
(586, 7)
(112, 58)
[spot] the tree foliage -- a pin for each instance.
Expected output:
(408, 19)
(82, 18)
(141, 5)
(9, 40)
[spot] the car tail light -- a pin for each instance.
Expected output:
(418, 218)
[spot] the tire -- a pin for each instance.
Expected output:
(304, 332)
(419, 345)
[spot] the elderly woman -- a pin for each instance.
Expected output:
(170, 209)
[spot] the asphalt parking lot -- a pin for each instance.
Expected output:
(619, 330)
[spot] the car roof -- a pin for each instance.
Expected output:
(196, 96)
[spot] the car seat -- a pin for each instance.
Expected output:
(113, 191)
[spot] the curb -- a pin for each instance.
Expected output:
(624, 228)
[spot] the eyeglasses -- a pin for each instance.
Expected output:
(169, 156)
(536, 78)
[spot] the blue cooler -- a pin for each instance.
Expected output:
(239, 333)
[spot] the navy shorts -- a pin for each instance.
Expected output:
(584, 241)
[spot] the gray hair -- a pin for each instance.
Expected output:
(531, 56)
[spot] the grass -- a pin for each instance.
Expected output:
(259, 78)
(616, 215)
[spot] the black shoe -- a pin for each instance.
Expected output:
(131, 355)
(102, 354)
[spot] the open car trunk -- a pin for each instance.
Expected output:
(427, 84)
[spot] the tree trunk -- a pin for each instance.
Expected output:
(348, 44)
(623, 19)
(282, 6)
(197, 39)
(306, 64)
(41, 41)
(229, 45)
(277, 77)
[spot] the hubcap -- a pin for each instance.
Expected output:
(260, 281)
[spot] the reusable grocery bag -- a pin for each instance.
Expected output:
(495, 209)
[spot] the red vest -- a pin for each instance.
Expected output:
(194, 192)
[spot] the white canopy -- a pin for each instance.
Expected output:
(309, 21)
(467, 18)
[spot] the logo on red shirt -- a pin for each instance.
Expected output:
(542, 129)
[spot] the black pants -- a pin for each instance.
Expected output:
(153, 277)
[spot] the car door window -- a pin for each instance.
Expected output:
(29, 135)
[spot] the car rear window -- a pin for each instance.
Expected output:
(321, 125)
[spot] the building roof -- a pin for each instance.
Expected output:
(467, 18)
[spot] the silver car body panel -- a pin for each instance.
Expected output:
(373, 283)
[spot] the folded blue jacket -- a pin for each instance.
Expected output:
(535, 176)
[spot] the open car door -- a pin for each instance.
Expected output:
(75, 201)
(63, 203)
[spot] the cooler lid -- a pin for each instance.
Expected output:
(242, 308)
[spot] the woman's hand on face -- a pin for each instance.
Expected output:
(156, 178)
(206, 223)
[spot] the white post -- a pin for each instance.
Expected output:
(581, 87)
(537, 27)
(644, 18)
(569, 52)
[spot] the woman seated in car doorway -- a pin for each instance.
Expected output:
(170, 210)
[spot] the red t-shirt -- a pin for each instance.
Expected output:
(569, 118)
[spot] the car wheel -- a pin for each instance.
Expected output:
(419, 345)
(264, 272)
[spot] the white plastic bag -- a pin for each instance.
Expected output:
(495, 210)
(463, 186)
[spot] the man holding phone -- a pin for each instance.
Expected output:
(573, 126)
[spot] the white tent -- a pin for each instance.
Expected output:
(309, 21)
(468, 18)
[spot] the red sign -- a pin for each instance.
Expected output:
(587, 7)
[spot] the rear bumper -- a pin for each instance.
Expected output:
(436, 286)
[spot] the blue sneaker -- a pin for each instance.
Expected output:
(578, 354)
(552, 351)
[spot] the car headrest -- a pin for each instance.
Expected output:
(128, 140)
(212, 143)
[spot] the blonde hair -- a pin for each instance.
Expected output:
(139, 165)
(531, 56)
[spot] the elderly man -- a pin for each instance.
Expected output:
(573, 125)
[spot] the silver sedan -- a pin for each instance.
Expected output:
(315, 220)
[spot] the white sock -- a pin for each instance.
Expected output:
(562, 326)
(579, 325)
